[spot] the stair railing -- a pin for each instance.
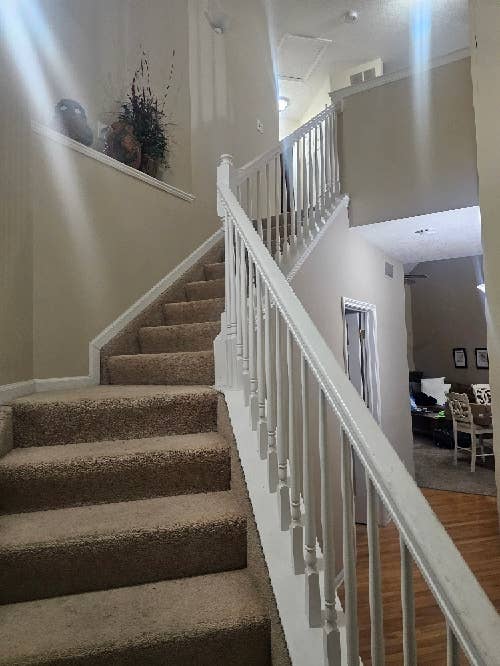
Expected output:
(276, 354)
(296, 184)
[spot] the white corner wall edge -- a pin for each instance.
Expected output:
(9, 392)
(341, 204)
(63, 140)
(305, 645)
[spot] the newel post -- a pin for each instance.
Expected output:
(225, 176)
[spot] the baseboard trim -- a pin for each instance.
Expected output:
(10, 392)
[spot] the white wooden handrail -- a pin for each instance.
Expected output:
(263, 290)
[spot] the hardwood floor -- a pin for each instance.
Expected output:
(472, 523)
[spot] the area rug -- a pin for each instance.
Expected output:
(434, 468)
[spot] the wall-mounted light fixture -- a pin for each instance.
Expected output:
(217, 19)
(283, 103)
(482, 287)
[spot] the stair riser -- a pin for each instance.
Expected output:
(63, 423)
(144, 476)
(121, 561)
(214, 271)
(193, 313)
(179, 339)
(149, 369)
(200, 291)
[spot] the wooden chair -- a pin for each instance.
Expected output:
(463, 421)
(482, 394)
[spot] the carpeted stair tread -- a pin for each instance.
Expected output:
(214, 271)
(205, 620)
(51, 477)
(178, 338)
(191, 312)
(175, 368)
(74, 550)
(205, 289)
(112, 412)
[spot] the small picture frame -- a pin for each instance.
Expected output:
(460, 357)
(482, 359)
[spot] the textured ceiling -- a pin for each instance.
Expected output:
(383, 30)
(451, 234)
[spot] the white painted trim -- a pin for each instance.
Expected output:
(63, 140)
(9, 392)
(305, 645)
(144, 301)
(338, 95)
(340, 205)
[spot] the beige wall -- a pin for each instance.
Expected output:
(398, 160)
(485, 40)
(232, 85)
(16, 249)
(448, 311)
(94, 50)
(343, 264)
(101, 238)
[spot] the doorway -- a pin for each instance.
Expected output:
(361, 366)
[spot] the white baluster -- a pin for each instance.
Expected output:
(311, 184)
(293, 196)
(233, 304)
(252, 357)
(313, 599)
(331, 635)
(300, 193)
(317, 182)
(268, 207)
(245, 377)
(408, 606)
(323, 172)
(349, 548)
(249, 199)
(328, 160)
(305, 192)
(261, 374)
(239, 331)
(272, 458)
(277, 205)
(227, 293)
(335, 152)
(259, 206)
(296, 531)
(375, 577)
(285, 194)
(452, 648)
(281, 414)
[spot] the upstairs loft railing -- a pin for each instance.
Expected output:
(296, 184)
(276, 355)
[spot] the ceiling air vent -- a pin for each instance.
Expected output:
(365, 72)
(298, 56)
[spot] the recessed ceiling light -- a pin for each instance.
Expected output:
(351, 16)
(283, 103)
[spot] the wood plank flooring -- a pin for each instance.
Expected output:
(472, 523)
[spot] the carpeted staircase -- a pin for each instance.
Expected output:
(126, 531)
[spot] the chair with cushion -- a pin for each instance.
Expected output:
(463, 421)
(482, 394)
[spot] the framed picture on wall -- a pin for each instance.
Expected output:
(460, 357)
(482, 360)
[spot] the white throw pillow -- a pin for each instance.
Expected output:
(436, 388)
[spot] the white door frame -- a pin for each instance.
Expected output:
(372, 369)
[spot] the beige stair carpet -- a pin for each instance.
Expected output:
(126, 534)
